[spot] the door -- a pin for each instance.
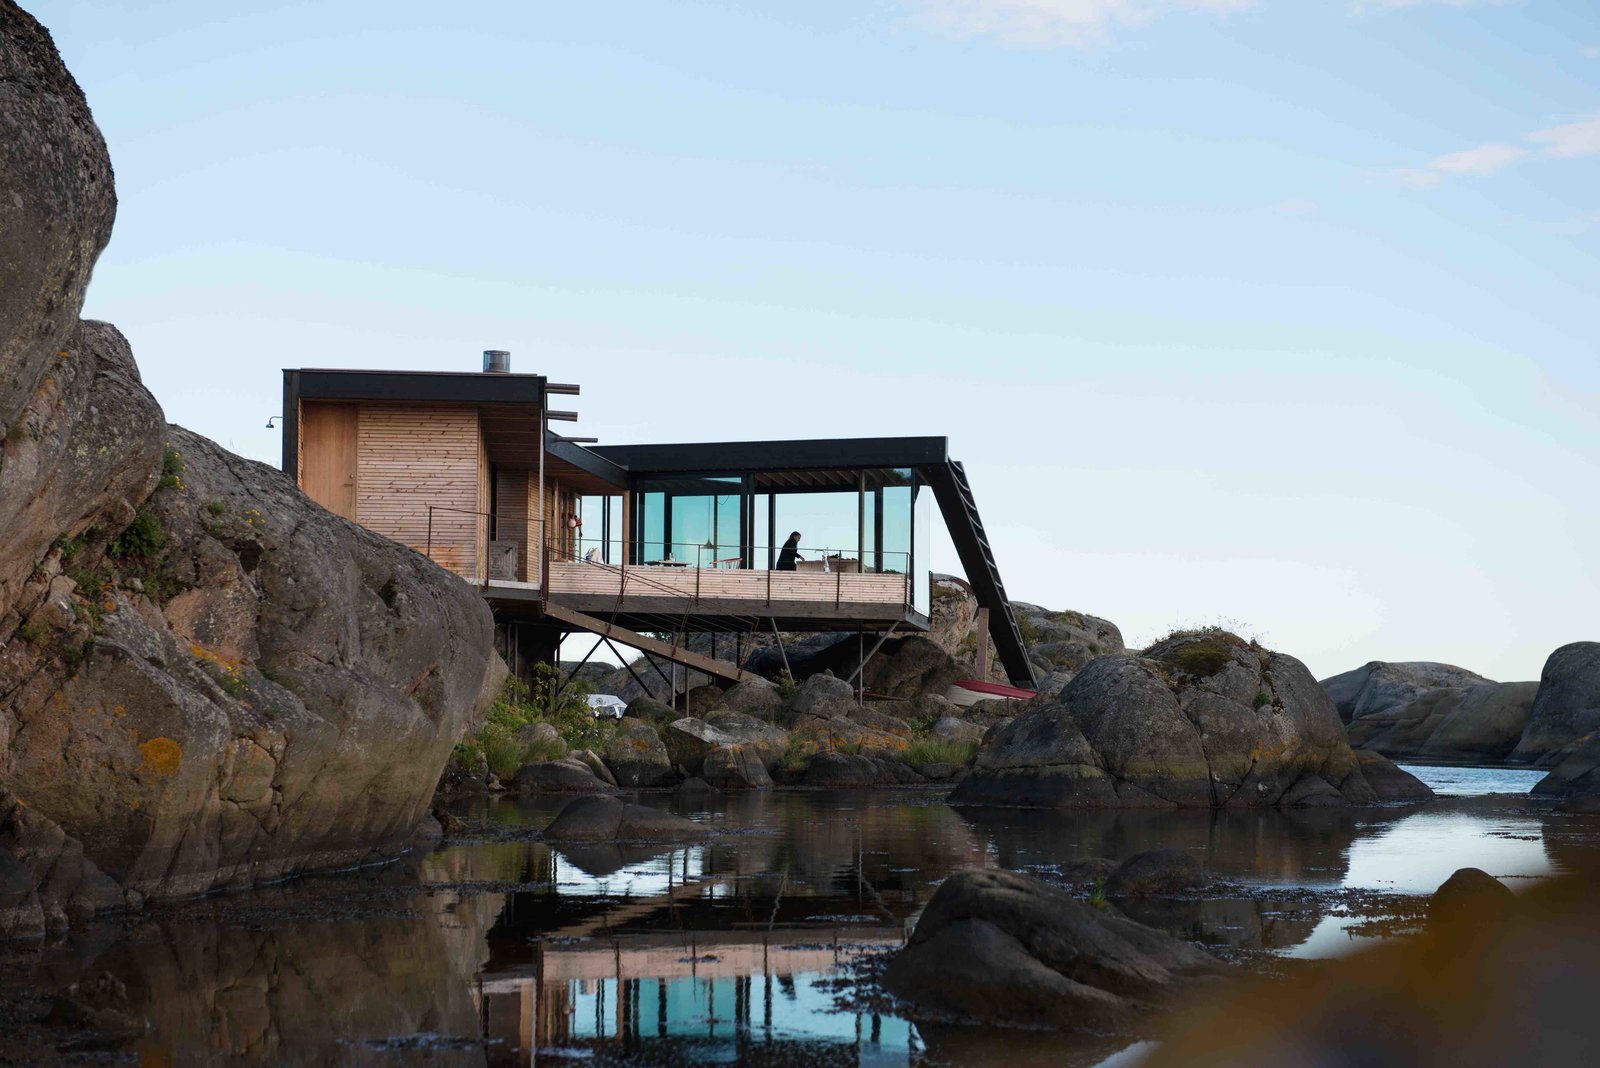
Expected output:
(328, 440)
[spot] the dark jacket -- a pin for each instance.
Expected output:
(787, 556)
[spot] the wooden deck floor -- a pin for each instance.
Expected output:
(763, 591)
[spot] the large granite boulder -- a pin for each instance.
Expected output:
(568, 775)
(736, 767)
(1001, 949)
(205, 678)
(1156, 871)
(766, 741)
(754, 697)
(1575, 780)
(1567, 707)
(822, 695)
(1427, 711)
(1202, 719)
(690, 740)
(637, 756)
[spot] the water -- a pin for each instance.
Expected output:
(748, 948)
(1476, 782)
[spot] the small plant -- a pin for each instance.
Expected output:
(787, 687)
(69, 547)
(216, 508)
(172, 469)
(74, 653)
(143, 538)
(89, 583)
(1263, 699)
(1029, 630)
(30, 632)
(1097, 896)
(938, 751)
(797, 755)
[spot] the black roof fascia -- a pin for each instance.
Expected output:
(433, 387)
(585, 459)
(748, 457)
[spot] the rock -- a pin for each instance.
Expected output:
(20, 914)
(1470, 894)
(1431, 711)
(1575, 780)
(754, 697)
(1157, 871)
(704, 699)
(649, 710)
(606, 819)
(940, 772)
(1388, 783)
(1380, 686)
(1000, 949)
(736, 767)
(765, 740)
(1202, 719)
(837, 771)
(1090, 870)
(235, 685)
(690, 740)
(637, 756)
(841, 733)
(822, 695)
(1519, 991)
(1567, 707)
(543, 736)
(694, 787)
(957, 730)
(591, 760)
(566, 776)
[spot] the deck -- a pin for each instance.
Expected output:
(677, 591)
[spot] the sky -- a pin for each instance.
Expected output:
(1283, 316)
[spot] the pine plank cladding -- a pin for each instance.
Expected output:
(411, 458)
(511, 516)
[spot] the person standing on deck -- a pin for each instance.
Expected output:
(788, 554)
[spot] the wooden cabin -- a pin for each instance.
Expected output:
(629, 541)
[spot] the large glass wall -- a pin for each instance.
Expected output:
(874, 521)
(601, 532)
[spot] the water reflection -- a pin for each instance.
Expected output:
(740, 949)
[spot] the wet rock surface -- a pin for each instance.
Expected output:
(1566, 711)
(1001, 949)
(1433, 712)
(1156, 871)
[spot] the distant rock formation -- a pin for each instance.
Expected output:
(1428, 711)
(1201, 719)
(205, 679)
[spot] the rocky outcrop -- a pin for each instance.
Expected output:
(1566, 710)
(1427, 711)
(1202, 719)
(1156, 871)
(1001, 949)
(565, 776)
(205, 679)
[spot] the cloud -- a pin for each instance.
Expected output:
(1591, 52)
(1574, 140)
(1485, 159)
(1053, 23)
(1361, 7)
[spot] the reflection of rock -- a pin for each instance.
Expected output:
(1200, 720)
(1002, 949)
(1237, 923)
(596, 819)
(1567, 707)
(1156, 871)
(1426, 711)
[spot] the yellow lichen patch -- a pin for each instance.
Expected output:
(163, 756)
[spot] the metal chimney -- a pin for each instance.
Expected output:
(496, 362)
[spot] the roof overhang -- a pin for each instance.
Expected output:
(753, 457)
(420, 387)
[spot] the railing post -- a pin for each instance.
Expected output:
(429, 552)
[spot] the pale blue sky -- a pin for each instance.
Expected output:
(1282, 313)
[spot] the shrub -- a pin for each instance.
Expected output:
(787, 687)
(172, 469)
(216, 507)
(520, 705)
(1263, 699)
(938, 751)
(144, 536)
(1097, 896)
(89, 583)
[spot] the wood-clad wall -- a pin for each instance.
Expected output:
(511, 516)
(410, 458)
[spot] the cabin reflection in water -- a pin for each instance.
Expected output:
(723, 996)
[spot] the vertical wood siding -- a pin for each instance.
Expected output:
(511, 516)
(410, 458)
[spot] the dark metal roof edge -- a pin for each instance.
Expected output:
(585, 459)
(796, 455)
(461, 387)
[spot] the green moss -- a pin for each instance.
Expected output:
(30, 632)
(1200, 653)
(1263, 699)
